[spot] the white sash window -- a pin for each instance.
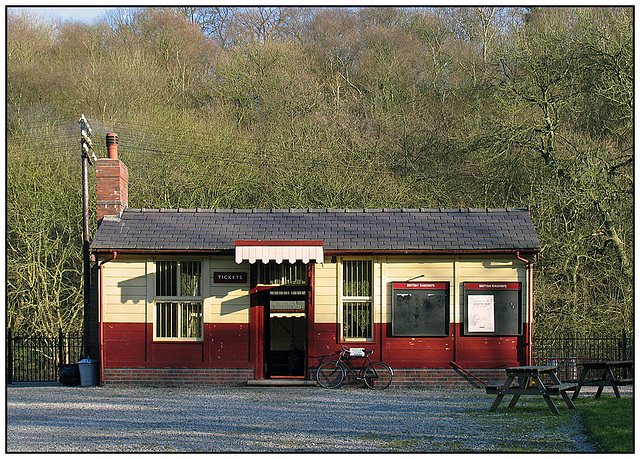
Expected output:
(178, 308)
(357, 300)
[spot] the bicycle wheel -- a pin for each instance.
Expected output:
(330, 375)
(378, 375)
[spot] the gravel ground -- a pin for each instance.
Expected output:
(277, 419)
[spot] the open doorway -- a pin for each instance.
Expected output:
(286, 334)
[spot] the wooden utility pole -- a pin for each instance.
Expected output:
(85, 134)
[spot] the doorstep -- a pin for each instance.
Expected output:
(281, 382)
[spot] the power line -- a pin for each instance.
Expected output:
(137, 143)
(146, 142)
(230, 156)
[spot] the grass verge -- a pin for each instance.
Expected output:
(609, 422)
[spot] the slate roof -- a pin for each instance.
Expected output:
(374, 230)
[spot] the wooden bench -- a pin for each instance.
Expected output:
(552, 390)
(492, 389)
(600, 381)
(606, 377)
(557, 389)
(495, 389)
(533, 374)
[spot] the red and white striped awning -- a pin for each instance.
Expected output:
(279, 251)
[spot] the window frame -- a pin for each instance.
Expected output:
(180, 300)
(346, 299)
(264, 267)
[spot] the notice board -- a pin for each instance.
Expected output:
(492, 308)
(420, 309)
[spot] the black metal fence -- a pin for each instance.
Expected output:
(39, 358)
(569, 351)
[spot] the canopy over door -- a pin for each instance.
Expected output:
(278, 251)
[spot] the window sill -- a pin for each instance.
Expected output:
(357, 341)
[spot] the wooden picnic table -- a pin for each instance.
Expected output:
(605, 377)
(535, 374)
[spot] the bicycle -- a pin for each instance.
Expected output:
(376, 375)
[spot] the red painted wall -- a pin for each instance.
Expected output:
(488, 351)
(408, 352)
(424, 352)
(131, 345)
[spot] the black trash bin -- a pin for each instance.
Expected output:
(70, 374)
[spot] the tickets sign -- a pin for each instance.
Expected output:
(230, 277)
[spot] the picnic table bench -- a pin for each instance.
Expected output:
(604, 378)
(526, 375)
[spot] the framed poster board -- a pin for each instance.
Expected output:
(492, 308)
(420, 309)
(481, 317)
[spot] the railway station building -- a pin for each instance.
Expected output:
(251, 296)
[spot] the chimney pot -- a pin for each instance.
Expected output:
(112, 146)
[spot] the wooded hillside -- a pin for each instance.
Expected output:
(331, 107)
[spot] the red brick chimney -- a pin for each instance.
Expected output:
(112, 178)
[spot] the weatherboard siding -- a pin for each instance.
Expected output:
(124, 290)
(325, 292)
(128, 310)
(228, 340)
(403, 269)
(491, 269)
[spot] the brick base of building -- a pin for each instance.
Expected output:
(445, 378)
(178, 376)
(449, 378)
(427, 378)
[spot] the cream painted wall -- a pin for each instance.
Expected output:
(403, 269)
(129, 286)
(124, 290)
(326, 288)
(487, 269)
(129, 289)
(227, 303)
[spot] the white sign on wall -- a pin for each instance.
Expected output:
(481, 313)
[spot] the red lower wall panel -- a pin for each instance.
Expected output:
(323, 345)
(416, 352)
(424, 352)
(131, 345)
(124, 342)
(489, 351)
